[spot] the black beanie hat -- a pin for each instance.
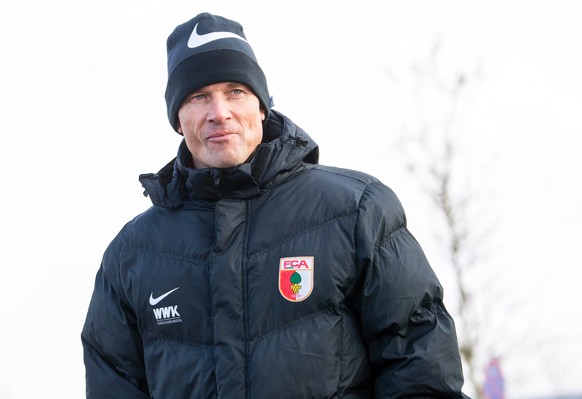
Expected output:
(210, 49)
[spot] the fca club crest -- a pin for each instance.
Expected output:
(296, 278)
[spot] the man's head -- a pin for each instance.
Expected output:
(210, 49)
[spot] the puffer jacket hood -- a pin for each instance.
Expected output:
(285, 148)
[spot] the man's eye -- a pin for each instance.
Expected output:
(237, 92)
(196, 97)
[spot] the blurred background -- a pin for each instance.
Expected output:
(469, 110)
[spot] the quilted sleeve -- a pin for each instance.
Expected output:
(111, 341)
(410, 336)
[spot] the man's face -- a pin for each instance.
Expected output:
(222, 124)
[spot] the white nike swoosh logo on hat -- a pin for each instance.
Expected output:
(197, 40)
(154, 301)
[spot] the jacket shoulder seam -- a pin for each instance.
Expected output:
(346, 173)
(299, 233)
(163, 254)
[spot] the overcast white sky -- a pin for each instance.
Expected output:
(82, 115)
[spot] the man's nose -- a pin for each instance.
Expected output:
(219, 111)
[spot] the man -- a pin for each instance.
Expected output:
(259, 273)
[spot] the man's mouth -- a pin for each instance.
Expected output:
(219, 136)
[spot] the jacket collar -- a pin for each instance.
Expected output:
(284, 149)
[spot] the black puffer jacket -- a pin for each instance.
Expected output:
(276, 279)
